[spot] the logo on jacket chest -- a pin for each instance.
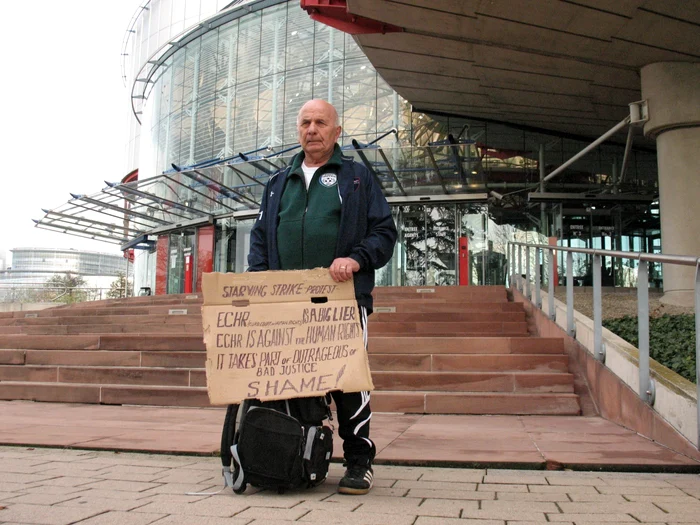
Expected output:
(328, 180)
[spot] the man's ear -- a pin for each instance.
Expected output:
(338, 131)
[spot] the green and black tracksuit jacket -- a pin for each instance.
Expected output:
(342, 214)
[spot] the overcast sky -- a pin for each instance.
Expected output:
(64, 112)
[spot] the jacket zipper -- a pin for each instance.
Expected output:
(303, 219)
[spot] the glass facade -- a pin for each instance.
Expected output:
(239, 87)
(235, 86)
(32, 267)
(60, 261)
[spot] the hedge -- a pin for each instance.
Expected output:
(671, 340)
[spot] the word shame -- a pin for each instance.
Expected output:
(291, 387)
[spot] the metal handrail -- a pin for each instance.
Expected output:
(647, 387)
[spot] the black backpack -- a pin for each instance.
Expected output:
(278, 445)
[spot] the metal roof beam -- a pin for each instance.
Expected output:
(117, 208)
(366, 162)
(230, 190)
(391, 171)
(107, 214)
(155, 198)
(243, 174)
(64, 229)
(91, 221)
(437, 169)
(199, 193)
(61, 223)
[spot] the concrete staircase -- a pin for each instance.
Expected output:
(460, 350)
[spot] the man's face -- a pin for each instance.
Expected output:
(317, 129)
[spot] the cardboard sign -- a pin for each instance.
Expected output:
(281, 335)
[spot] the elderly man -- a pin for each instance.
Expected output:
(326, 210)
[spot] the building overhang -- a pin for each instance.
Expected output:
(567, 67)
(334, 13)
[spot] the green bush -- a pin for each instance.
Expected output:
(671, 340)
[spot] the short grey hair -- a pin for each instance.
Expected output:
(335, 111)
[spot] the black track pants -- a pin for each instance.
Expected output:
(354, 414)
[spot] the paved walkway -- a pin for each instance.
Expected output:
(536, 442)
(50, 486)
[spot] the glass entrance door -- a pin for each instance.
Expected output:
(426, 247)
(427, 251)
(181, 262)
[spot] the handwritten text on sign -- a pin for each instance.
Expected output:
(266, 339)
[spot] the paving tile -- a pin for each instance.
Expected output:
(387, 491)
(407, 473)
(25, 479)
(445, 507)
(451, 494)
(288, 500)
(11, 486)
(355, 518)
(539, 523)
(427, 520)
(125, 486)
(120, 518)
(185, 488)
(201, 520)
(569, 489)
(43, 515)
(101, 494)
(574, 481)
(517, 506)
(512, 477)
(104, 504)
(641, 510)
(677, 518)
(271, 515)
(598, 498)
(40, 498)
(501, 487)
(656, 491)
(533, 496)
(423, 484)
(387, 505)
(185, 476)
(214, 508)
(452, 474)
(688, 481)
(663, 501)
(333, 505)
(585, 522)
(21, 466)
(591, 518)
(381, 482)
(508, 515)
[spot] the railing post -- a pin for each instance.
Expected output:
(597, 311)
(550, 286)
(528, 293)
(538, 279)
(512, 265)
(646, 388)
(570, 329)
(697, 342)
(520, 267)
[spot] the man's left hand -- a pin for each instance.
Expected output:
(342, 269)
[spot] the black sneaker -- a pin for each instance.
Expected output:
(357, 480)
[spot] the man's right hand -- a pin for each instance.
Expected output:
(342, 268)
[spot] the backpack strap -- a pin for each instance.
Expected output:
(227, 434)
(236, 484)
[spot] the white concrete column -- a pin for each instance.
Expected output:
(672, 90)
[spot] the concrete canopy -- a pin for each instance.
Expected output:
(550, 64)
